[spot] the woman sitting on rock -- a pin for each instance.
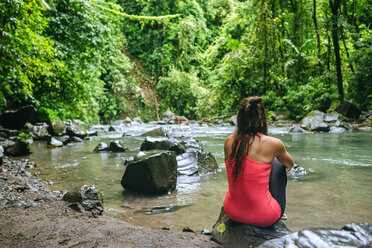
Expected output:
(256, 169)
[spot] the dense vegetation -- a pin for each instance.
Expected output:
(104, 60)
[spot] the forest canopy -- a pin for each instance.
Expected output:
(104, 60)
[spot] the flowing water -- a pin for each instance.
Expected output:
(336, 193)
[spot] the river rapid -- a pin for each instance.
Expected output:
(336, 192)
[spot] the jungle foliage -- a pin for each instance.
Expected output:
(104, 60)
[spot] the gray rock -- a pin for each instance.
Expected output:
(72, 129)
(351, 235)
(229, 233)
(65, 139)
(158, 132)
(337, 130)
(16, 119)
(314, 122)
(349, 110)
(17, 147)
(154, 173)
(206, 163)
(55, 142)
(116, 146)
(40, 132)
(111, 129)
(57, 128)
(331, 117)
(101, 147)
(87, 196)
(169, 115)
(162, 144)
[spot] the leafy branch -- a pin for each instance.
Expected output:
(135, 17)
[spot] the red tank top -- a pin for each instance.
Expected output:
(249, 200)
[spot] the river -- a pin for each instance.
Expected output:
(337, 192)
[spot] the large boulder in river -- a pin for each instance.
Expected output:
(349, 110)
(158, 132)
(351, 235)
(163, 144)
(314, 122)
(154, 173)
(16, 119)
(229, 233)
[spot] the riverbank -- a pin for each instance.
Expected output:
(33, 216)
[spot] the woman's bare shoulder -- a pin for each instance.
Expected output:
(272, 140)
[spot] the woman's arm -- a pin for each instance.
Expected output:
(283, 156)
(228, 146)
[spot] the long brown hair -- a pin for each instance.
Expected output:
(250, 121)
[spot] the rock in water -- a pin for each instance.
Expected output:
(349, 110)
(206, 163)
(162, 144)
(16, 119)
(57, 128)
(351, 235)
(53, 142)
(101, 147)
(154, 173)
(116, 146)
(158, 132)
(314, 122)
(88, 196)
(229, 233)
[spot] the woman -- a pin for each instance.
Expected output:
(255, 165)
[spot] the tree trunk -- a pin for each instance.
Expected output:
(335, 5)
(347, 51)
(265, 40)
(316, 26)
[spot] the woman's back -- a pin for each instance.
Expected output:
(248, 199)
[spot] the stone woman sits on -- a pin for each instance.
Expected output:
(256, 169)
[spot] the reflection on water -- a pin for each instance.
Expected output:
(338, 192)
